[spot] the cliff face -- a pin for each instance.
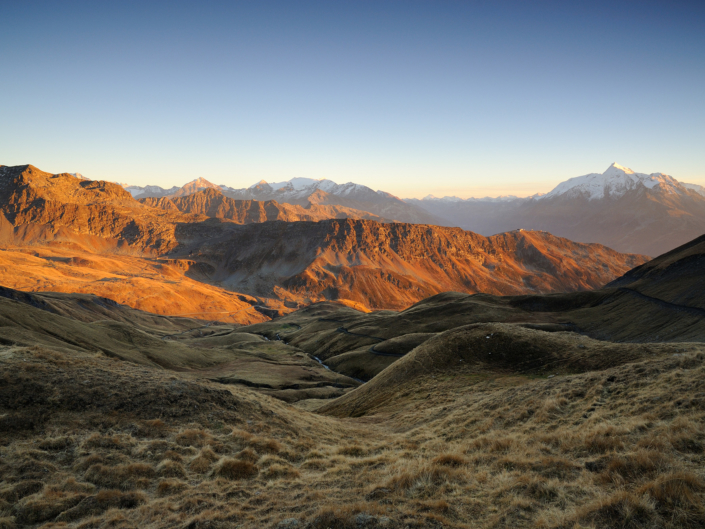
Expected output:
(395, 265)
(43, 207)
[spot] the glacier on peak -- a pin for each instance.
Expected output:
(300, 187)
(614, 182)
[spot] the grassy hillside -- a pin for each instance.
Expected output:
(88, 441)
(581, 410)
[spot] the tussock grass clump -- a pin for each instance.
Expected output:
(43, 507)
(292, 456)
(102, 501)
(260, 444)
(152, 428)
(537, 488)
(114, 442)
(57, 443)
(547, 466)
(202, 463)
(604, 439)
(247, 455)
(13, 493)
(269, 460)
(353, 450)
(677, 494)
(424, 479)
(169, 487)
(315, 464)
(687, 437)
(93, 459)
(633, 466)
(265, 446)
(173, 455)
(193, 437)
(622, 509)
(235, 469)
(71, 485)
(450, 460)
(171, 469)
(131, 476)
(551, 409)
(241, 436)
(280, 471)
(32, 468)
(491, 444)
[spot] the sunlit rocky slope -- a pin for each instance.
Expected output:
(394, 265)
(207, 255)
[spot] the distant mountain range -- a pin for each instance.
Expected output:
(306, 192)
(212, 203)
(628, 211)
(228, 243)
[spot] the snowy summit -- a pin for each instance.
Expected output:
(615, 182)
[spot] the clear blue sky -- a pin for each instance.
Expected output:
(465, 98)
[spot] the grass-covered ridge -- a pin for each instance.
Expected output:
(89, 441)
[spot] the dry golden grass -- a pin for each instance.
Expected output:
(621, 447)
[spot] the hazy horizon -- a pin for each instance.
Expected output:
(526, 189)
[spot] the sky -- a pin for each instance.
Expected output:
(411, 97)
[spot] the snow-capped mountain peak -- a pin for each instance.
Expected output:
(140, 191)
(616, 169)
(200, 181)
(442, 199)
(296, 184)
(615, 182)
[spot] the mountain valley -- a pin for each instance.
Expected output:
(561, 410)
(203, 361)
(229, 298)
